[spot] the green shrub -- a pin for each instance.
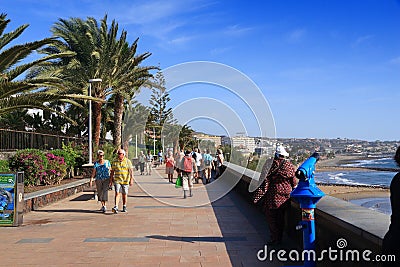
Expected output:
(4, 166)
(32, 162)
(71, 156)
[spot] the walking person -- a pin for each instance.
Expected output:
(391, 240)
(198, 159)
(178, 159)
(188, 168)
(208, 165)
(101, 174)
(142, 162)
(149, 161)
(160, 157)
(220, 161)
(277, 186)
(169, 166)
(122, 178)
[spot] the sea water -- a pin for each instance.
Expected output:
(365, 178)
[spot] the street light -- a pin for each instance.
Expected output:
(90, 119)
(154, 141)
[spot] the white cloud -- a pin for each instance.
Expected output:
(296, 35)
(395, 61)
(236, 30)
(361, 40)
(180, 40)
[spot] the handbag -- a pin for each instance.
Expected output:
(178, 182)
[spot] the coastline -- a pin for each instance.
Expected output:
(351, 192)
(336, 164)
(346, 192)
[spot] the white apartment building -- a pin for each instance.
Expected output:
(241, 142)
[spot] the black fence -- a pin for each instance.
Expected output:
(13, 140)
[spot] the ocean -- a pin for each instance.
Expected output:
(367, 177)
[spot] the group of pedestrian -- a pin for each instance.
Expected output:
(205, 164)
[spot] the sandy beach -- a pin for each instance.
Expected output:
(354, 192)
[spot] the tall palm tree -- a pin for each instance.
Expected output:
(130, 76)
(100, 53)
(186, 137)
(134, 124)
(17, 92)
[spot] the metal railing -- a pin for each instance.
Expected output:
(14, 140)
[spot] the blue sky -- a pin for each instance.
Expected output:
(327, 69)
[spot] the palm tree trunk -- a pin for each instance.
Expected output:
(125, 145)
(97, 122)
(118, 112)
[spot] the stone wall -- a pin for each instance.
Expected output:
(34, 200)
(362, 228)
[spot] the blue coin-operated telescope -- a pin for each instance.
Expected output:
(307, 194)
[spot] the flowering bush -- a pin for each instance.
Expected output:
(32, 162)
(56, 169)
(70, 155)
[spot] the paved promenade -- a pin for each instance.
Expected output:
(156, 230)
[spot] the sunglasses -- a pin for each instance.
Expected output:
(120, 153)
(101, 155)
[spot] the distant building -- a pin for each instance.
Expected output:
(212, 138)
(240, 142)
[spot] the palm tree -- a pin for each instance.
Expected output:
(101, 54)
(130, 76)
(186, 137)
(30, 91)
(135, 118)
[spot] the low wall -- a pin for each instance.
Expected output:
(362, 228)
(41, 198)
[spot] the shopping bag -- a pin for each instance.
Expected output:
(178, 182)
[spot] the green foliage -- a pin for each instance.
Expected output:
(32, 92)
(32, 162)
(4, 166)
(68, 153)
(109, 151)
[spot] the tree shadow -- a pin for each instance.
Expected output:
(193, 239)
(73, 211)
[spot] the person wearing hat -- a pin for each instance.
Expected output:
(275, 191)
(101, 174)
(122, 178)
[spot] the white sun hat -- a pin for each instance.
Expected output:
(280, 150)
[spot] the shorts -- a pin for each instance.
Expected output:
(187, 181)
(169, 170)
(121, 188)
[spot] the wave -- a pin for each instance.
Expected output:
(338, 178)
(375, 178)
(377, 204)
(383, 163)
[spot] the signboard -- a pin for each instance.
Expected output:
(7, 205)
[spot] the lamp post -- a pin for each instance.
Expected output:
(154, 141)
(90, 119)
